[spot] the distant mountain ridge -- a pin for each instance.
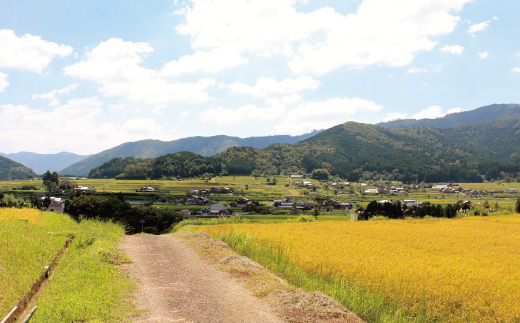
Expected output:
(205, 146)
(479, 115)
(355, 151)
(9, 169)
(40, 163)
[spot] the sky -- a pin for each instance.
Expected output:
(85, 76)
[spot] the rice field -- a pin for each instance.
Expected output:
(32, 216)
(463, 270)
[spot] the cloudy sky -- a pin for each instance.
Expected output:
(84, 76)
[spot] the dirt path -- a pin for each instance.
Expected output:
(177, 286)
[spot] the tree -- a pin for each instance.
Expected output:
(51, 181)
(320, 174)
(66, 184)
(517, 206)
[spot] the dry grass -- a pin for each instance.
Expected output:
(291, 303)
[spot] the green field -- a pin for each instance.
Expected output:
(88, 284)
(257, 189)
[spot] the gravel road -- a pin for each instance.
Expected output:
(175, 285)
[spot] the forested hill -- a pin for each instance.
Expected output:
(356, 151)
(41, 163)
(9, 169)
(204, 146)
(487, 113)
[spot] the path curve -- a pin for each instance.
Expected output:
(175, 285)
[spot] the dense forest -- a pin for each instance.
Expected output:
(355, 151)
(10, 169)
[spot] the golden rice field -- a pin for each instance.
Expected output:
(464, 270)
(32, 216)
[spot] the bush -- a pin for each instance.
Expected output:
(306, 218)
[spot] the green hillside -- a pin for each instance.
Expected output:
(487, 113)
(357, 151)
(9, 169)
(41, 163)
(204, 146)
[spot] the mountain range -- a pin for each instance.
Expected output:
(355, 151)
(204, 146)
(40, 163)
(467, 144)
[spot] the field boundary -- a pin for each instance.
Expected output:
(36, 287)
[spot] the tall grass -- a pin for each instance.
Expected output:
(24, 251)
(88, 286)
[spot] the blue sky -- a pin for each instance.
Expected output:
(85, 76)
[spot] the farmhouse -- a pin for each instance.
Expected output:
(197, 200)
(372, 191)
(242, 202)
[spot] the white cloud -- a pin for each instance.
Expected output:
(286, 100)
(380, 32)
(483, 55)
(322, 115)
(455, 49)
(113, 106)
(478, 27)
(52, 94)
(454, 110)
(158, 109)
(28, 52)
(80, 121)
(516, 70)
(415, 70)
(185, 114)
(265, 86)
(204, 62)
(433, 112)
(114, 64)
(222, 116)
(395, 116)
(3, 81)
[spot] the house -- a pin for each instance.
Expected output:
(287, 203)
(225, 190)
(411, 203)
(204, 192)
(362, 184)
(242, 202)
(440, 186)
(372, 191)
(214, 190)
(296, 176)
(82, 188)
(218, 210)
(197, 200)
(511, 190)
(384, 201)
(305, 205)
(397, 190)
(186, 212)
(331, 202)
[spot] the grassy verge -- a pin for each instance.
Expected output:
(367, 305)
(89, 285)
(25, 250)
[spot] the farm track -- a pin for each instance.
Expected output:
(175, 285)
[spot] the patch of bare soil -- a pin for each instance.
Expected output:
(176, 285)
(289, 302)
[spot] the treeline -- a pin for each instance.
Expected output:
(397, 210)
(355, 152)
(135, 218)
